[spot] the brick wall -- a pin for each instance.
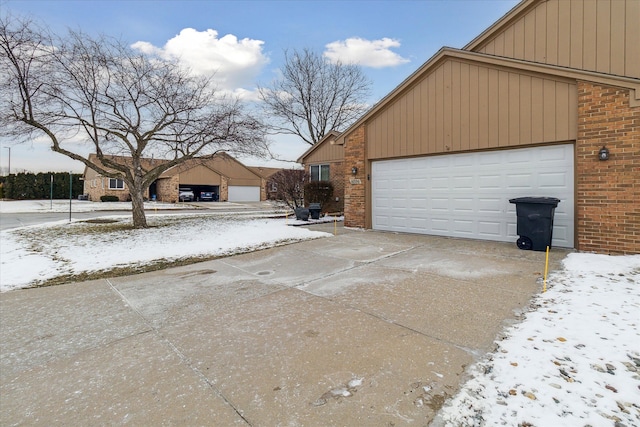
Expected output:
(354, 193)
(337, 178)
(99, 186)
(263, 189)
(608, 192)
(224, 189)
(168, 189)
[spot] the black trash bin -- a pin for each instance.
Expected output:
(314, 210)
(535, 221)
(302, 214)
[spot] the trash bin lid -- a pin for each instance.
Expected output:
(536, 200)
(314, 205)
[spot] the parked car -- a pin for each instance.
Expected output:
(206, 196)
(186, 195)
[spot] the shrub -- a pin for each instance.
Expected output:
(108, 198)
(289, 185)
(318, 192)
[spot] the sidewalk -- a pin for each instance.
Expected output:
(363, 328)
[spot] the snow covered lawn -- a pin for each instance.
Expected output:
(573, 361)
(33, 255)
(21, 206)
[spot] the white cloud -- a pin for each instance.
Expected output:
(368, 53)
(234, 62)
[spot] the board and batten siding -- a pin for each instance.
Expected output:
(326, 153)
(602, 36)
(199, 175)
(464, 106)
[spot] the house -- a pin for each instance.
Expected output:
(324, 161)
(523, 110)
(222, 175)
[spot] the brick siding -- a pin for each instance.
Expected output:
(99, 186)
(336, 177)
(224, 189)
(608, 192)
(354, 194)
(168, 189)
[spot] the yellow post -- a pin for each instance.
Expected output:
(546, 268)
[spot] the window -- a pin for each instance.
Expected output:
(116, 184)
(319, 172)
(273, 187)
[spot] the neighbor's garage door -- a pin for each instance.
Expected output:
(239, 193)
(467, 195)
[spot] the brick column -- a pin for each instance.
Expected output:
(608, 192)
(354, 185)
(224, 189)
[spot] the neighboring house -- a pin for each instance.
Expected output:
(268, 186)
(222, 175)
(97, 185)
(324, 161)
(522, 110)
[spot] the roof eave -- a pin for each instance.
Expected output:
(502, 22)
(448, 52)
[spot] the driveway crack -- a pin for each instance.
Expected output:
(183, 358)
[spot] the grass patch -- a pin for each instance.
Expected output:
(156, 265)
(101, 221)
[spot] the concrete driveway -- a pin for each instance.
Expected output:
(363, 328)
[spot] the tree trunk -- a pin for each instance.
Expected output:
(137, 208)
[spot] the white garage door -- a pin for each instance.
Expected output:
(467, 195)
(239, 193)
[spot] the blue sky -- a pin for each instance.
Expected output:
(243, 41)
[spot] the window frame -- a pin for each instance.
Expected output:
(319, 172)
(117, 181)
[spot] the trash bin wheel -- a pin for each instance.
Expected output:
(524, 243)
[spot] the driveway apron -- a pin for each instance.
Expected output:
(360, 328)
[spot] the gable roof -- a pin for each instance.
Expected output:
(332, 135)
(263, 171)
(147, 163)
(219, 164)
(446, 53)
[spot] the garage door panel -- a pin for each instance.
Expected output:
(489, 182)
(238, 193)
(488, 205)
(489, 229)
(439, 183)
(520, 181)
(439, 204)
(463, 205)
(516, 156)
(440, 224)
(467, 195)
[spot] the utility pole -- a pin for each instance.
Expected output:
(70, 193)
(9, 148)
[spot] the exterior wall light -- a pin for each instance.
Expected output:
(354, 170)
(603, 154)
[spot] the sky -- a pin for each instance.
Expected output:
(572, 360)
(243, 42)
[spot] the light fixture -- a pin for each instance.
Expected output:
(354, 170)
(603, 154)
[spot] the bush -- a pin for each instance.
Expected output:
(318, 192)
(108, 198)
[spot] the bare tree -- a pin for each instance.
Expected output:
(76, 90)
(314, 96)
(289, 185)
